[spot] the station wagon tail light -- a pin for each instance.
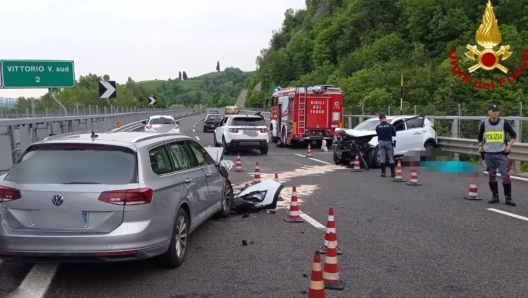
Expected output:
(434, 127)
(127, 197)
(176, 127)
(9, 194)
(263, 130)
(148, 126)
(234, 130)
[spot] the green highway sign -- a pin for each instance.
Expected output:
(22, 74)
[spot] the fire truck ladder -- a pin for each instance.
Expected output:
(301, 119)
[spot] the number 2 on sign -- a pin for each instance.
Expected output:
(37, 79)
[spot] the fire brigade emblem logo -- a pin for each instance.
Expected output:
(488, 36)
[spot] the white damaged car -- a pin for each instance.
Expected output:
(413, 133)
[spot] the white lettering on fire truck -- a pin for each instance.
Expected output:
(317, 107)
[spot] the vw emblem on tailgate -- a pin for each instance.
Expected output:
(57, 200)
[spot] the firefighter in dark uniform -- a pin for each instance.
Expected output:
(385, 133)
(495, 148)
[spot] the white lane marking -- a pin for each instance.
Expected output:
(36, 282)
(197, 138)
(509, 214)
(513, 177)
(311, 158)
(312, 221)
(194, 130)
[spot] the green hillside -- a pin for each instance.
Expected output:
(364, 46)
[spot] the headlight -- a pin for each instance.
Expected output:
(257, 196)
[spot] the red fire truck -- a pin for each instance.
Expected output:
(306, 114)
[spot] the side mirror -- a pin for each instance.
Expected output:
(223, 171)
(144, 122)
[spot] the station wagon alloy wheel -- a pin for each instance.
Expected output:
(181, 236)
(227, 200)
(175, 254)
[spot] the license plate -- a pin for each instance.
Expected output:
(59, 219)
(251, 133)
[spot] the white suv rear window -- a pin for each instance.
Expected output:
(248, 122)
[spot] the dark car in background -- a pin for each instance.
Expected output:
(211, 121)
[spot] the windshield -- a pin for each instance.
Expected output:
(367, 125)
(162, 120)
(248, 122)
(80, 165)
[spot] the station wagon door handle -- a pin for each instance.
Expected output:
(418, 132)
(188, 180)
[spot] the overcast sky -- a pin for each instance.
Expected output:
(145, 40)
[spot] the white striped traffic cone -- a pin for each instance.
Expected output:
(294, 214)
(399, 173)
(256, 178)
(309, 151)
(331, 267)
(414, 179)
(330, 228)
(239, 164)
(357, 167)
(473, 193)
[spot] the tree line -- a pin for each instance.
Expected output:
(216, 89)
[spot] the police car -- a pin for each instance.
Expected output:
(242, 131)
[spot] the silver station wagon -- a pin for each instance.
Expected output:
(116, 196)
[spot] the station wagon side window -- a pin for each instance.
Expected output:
(201, 155)
(160, 161)
(182, 156)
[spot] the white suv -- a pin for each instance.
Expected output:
(411, 136)
(242, 131)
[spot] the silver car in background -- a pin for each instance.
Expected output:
(117, 196)
(162, 124)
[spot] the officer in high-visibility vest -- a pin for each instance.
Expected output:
(495, 148)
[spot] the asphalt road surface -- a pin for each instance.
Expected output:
(397, 240)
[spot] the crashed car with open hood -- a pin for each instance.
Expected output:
(413, 133)
(263, 195)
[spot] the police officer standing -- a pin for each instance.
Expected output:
(493, 144)
(385, 133)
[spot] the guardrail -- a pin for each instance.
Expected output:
(16, 135)
(458, 145)
(519, 151)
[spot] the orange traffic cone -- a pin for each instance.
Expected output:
(294, 215)
(357, 168)
(399, 173)
(414, 179)
(317, 286)
(473, 193)
(331, 267)
(309, 152)
(330, 228)
(239, 164)
(256, 178)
